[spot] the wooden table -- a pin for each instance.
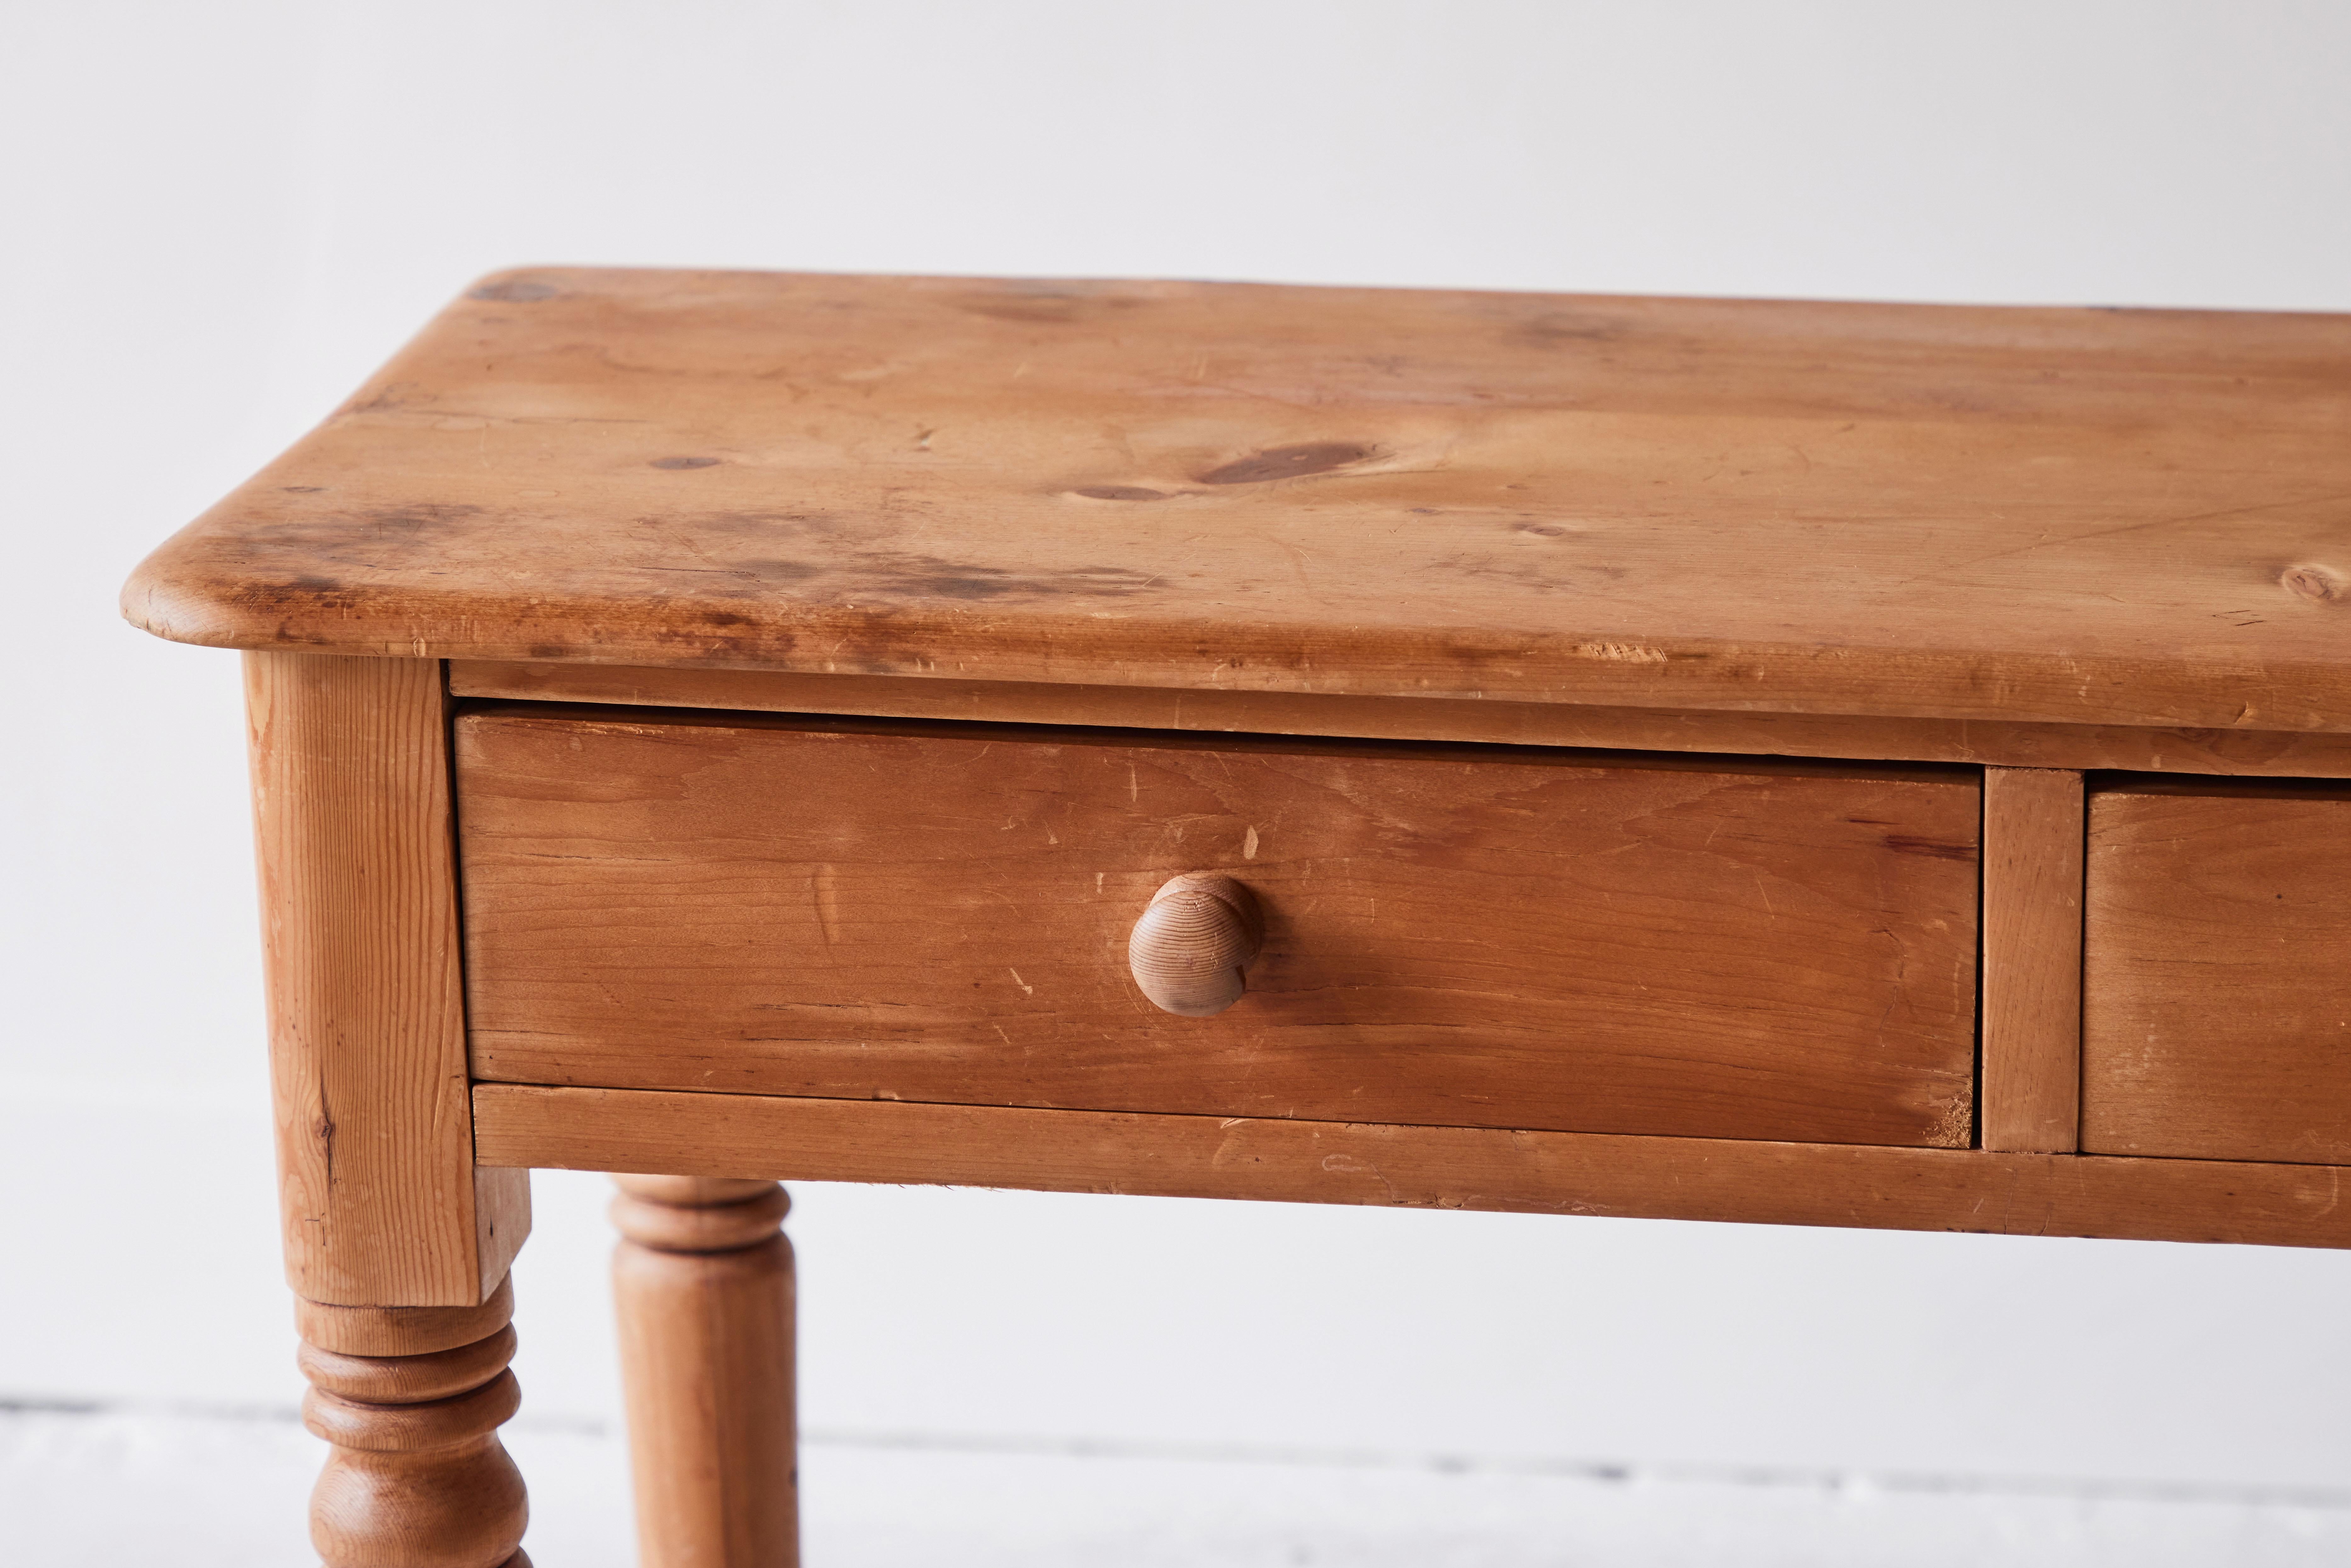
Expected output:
(1817, 764)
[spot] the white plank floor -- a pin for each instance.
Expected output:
(100, 1487)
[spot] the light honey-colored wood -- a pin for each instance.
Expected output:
(1466, 936)
(1984, 743)
(2066, 516)
(1193, 942)
(2031, 959)
(381, 1204)
(703, 1283)
(1425, 1168)
(2217, 1012)
(415, 1476)
(1709, 537)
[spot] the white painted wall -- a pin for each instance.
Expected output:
(219, 218)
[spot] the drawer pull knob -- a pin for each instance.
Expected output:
(1189, 948)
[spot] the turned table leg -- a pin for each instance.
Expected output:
(397, 1244)
(411, 1399)
(703, 1278)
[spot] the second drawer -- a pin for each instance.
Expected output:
(2216, 1010)
(1469, 936)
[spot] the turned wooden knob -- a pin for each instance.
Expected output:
(1189, 948)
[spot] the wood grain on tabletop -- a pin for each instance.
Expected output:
(2055, 515)
(1458, 935)
(1423, 1168)
(2032, 917)
(2250, 752)
(702, 1283)
(2217, 1004)
(380, 1202)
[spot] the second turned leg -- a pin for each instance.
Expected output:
(703, 1278)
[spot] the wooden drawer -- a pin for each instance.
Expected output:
(1483, 936)
(2216, 996)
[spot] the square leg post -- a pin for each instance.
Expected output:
(397, 1246)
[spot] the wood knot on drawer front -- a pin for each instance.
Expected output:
(2316, 583)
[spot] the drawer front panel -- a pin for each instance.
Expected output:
(2216, 1002)
(1482, 937)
